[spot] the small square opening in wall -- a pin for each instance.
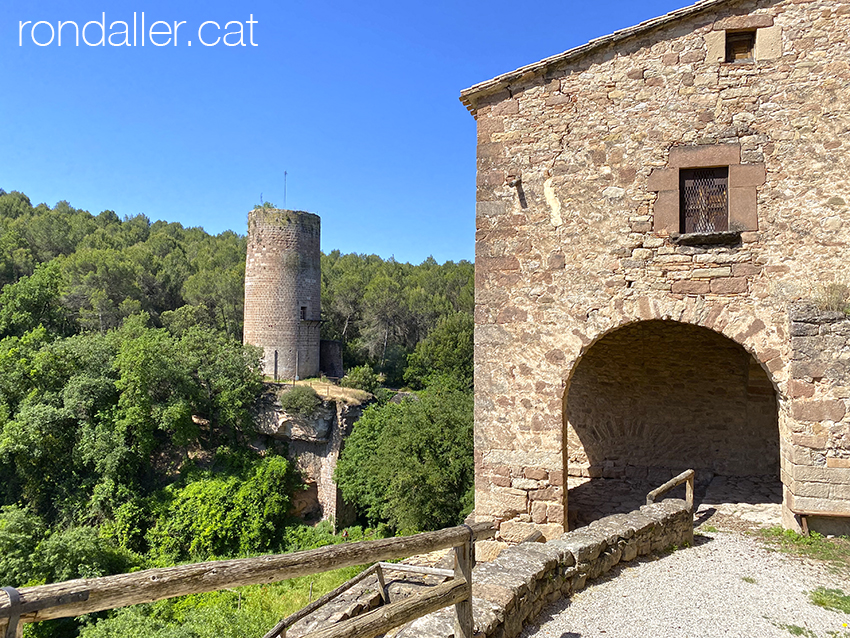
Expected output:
(704, 205)
(740, 46)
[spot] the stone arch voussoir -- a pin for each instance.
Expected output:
(739, 325)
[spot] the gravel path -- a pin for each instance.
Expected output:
(701, 592)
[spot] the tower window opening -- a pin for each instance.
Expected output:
(740, 46)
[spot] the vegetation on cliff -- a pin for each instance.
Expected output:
(126, 398)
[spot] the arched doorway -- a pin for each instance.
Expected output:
(653, 398)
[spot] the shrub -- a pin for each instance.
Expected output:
(362, 378)
(834, 296)
(411, 463)
(78, 552)
(225, 515)
(301, 400)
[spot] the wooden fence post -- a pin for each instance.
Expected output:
(463, 569)
(4, 629)
(384, 593)
(13, 627)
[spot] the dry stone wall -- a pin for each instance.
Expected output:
(513, 589)
(575, 201)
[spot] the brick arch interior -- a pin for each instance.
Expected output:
(655, 397)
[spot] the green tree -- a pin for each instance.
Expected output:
(445, 355)
(20, 533)
(410, 463)
(226, 376)
(155, 406)
(34, 301)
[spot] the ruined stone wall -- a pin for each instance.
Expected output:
(575, 189)
(314, 444)
(283, 290)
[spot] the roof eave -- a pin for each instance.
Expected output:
(469, 97)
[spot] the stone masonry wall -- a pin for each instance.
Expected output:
(513, 589)
(282, 276)
(574, 235)
(817, 466)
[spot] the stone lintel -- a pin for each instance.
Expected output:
(704, 156)
(744, 23)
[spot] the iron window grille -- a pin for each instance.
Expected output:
(704, 205)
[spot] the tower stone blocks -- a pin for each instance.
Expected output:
(283, 291)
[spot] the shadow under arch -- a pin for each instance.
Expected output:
(651, 398)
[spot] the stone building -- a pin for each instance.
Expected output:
(283, 287)
(662, 218)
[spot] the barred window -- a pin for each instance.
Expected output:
(704, 205)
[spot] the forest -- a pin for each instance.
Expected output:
(126, 403)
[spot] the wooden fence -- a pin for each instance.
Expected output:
(87, 595)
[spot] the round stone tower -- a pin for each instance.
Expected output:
(283, 291)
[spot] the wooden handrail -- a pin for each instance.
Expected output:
(417, 569)
(685, 477)
(87, 595)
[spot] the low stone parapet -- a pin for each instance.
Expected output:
(513, 588)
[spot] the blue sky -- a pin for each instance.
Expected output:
(357, 102)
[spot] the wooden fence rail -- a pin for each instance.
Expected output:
(87, 595)
(382, 619)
